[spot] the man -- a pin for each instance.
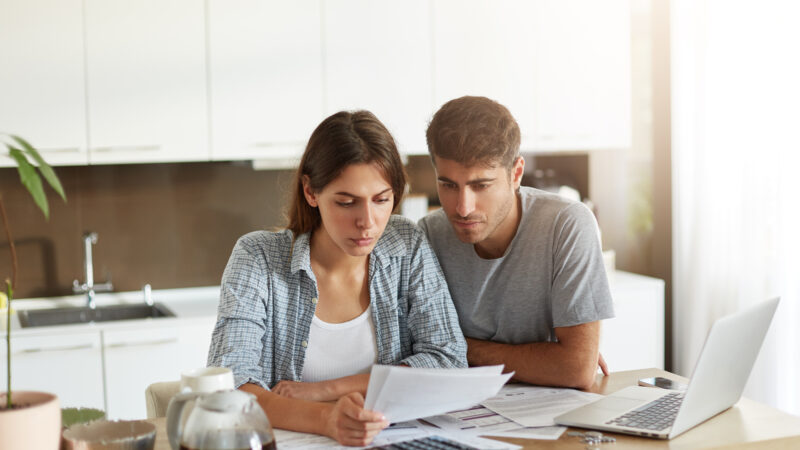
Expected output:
(524, 266)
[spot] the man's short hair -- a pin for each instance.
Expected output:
(474, 131)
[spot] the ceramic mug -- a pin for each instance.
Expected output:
(206, 379)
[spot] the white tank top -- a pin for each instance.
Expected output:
(337, 350)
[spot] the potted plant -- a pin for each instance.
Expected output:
(29, 420)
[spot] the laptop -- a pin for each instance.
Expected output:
(716, 384)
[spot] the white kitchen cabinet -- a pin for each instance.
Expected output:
(562, 67)
(136, 358)
(583, 79)
(487, 49)
(194, 341)
(634, 339)
(265, 67)
(146, 78)
(378, 57)
(42, 95)
(69, 365)
(111, 81)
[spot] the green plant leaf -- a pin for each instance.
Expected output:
(44, 168)
(72, 416)
(30, 179)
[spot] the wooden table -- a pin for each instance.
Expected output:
(748, 425)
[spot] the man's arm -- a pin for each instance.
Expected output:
(570, 362)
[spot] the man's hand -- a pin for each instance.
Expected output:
(602, 363)
(350, 424)
(315, 392)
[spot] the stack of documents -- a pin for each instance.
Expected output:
(519, 410)
(458, 404)
(405, 431)
(406, 393)
(537, 406)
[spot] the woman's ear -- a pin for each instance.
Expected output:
(308, 193)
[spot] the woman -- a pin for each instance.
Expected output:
(305, 312)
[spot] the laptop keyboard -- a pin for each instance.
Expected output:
(656, 415)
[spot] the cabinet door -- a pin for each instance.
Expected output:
(194, 340)
(378, 57)
(265, 67)
(146, 81)
(583, 85)
(42, 78)
(487, 49)
(634, 339)
(133, 360)
(68, 365)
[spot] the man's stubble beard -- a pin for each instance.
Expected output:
(491, 226)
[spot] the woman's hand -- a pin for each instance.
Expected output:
(315, 392)
(350, 424)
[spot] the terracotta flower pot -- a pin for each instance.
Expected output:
(34, 426)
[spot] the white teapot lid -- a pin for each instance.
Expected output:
(226, 401)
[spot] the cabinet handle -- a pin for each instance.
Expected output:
(143, 343)
(60, 150)
(127, 148)
(299, 144)
(56, 349)
(579, 136)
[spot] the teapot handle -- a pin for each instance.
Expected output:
(177, 413)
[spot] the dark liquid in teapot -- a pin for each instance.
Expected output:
(230, 440)
(270, 446)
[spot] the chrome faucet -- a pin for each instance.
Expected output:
(89, 288)
(147, 292)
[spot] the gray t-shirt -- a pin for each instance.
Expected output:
(551, 275)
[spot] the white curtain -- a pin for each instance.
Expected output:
(736, 180)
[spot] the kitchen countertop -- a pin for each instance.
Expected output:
(188, 304)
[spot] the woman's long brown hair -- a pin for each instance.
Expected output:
(343, 139)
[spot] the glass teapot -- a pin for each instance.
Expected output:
(226, 420)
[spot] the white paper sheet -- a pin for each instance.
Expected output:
(534, 406)
(477, 420)
(479, 442)
(482, 421)
(543, 433)
(405, 393)
(405, 431)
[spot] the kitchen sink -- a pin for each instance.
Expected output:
(66, 316)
